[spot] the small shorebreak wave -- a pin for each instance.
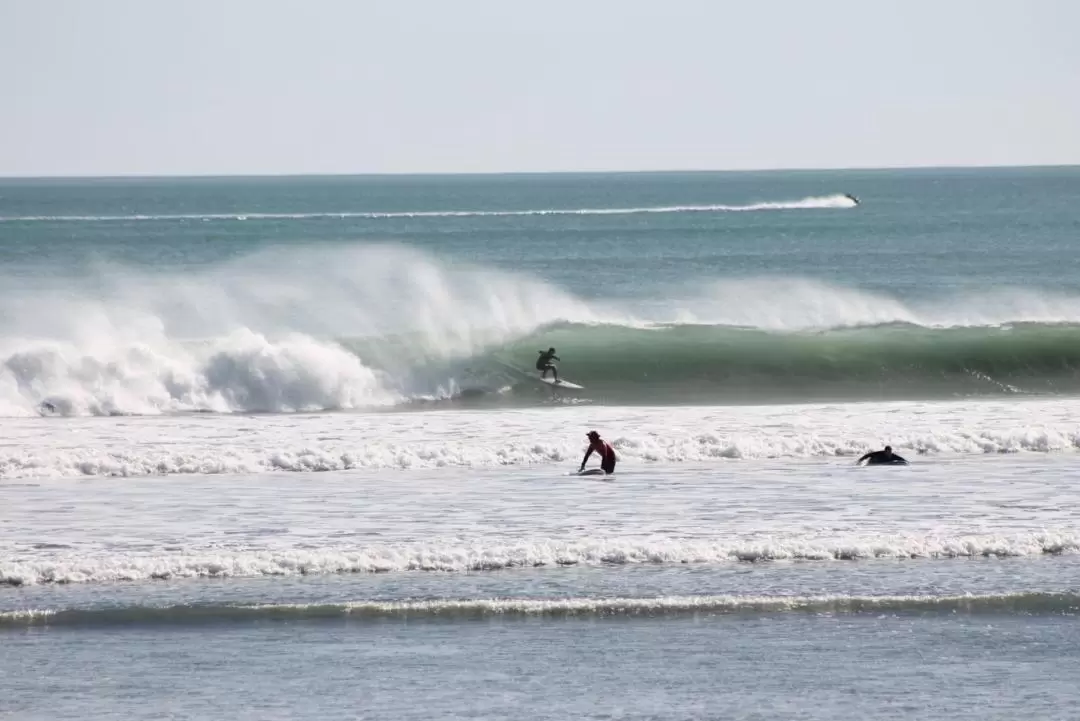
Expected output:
(587, 607)
(490, 447)
(498, 556)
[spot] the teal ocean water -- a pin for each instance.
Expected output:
(275, 447)
(668, 288)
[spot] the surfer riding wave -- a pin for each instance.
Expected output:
(544, 364)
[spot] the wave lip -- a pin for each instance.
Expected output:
(493, 557)
(809, 203)
(1020, 602)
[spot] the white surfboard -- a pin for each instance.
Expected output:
(562, 384)
(530, 375)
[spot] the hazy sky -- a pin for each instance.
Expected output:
(110, 87)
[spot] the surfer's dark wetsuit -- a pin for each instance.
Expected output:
(544, 364)
(607, 453)
(882, 458)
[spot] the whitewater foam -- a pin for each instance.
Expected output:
(243, 371)
(800, 304)
(809, 203)
(263, 334)
(642, 436)
(493, 556)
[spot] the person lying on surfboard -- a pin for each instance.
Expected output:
(603, 449)
(544, 364)
(882, 458)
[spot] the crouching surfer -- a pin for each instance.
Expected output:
(883, 458)
(544, 364)
(603, 449)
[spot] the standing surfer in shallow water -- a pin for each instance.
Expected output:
(603, 449)
(882, 458)
(544, 364)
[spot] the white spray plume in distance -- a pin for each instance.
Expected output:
(792, 304)
(371, 290)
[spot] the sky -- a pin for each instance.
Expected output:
(254, 87)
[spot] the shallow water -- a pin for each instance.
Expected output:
(757, 589)
(703, 666)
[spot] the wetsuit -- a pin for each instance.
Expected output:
(606, 452)
(543, 363)
(883, 458)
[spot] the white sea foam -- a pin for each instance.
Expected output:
(243, 370)
(262, 334)
(809, 203)
(494, 452)
(489, 556)
(795, 304)
(716, 511)
(841, 603)
(449, 439)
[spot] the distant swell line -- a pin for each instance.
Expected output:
(830, 201)
(1031, 603)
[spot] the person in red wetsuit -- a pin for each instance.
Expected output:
(603, 449)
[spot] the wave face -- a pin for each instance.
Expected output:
(808, 203)
(896, 361)
(1028, 603)
(335, 328)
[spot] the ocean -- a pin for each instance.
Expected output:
(274, 448)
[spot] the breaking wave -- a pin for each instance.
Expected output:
(686, 364)
(383, 326)
(363, 450)
(488, 556)
(263, 334)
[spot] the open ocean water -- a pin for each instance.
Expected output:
(272, 448)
